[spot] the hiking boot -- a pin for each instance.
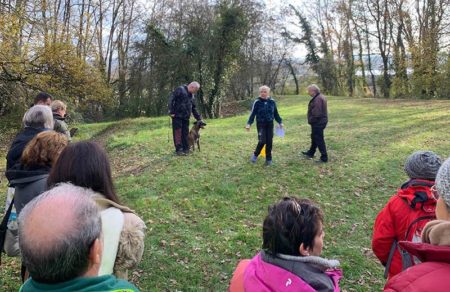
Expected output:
(268, 163)
(321, 161)
(253, 158)
(307, 154)
(186, 152)
(179, 153)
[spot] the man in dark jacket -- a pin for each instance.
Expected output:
(181, 106)
(318, 119)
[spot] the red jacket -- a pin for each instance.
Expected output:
(393, 221)
(431, 275)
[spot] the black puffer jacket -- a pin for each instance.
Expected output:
(18, 145)
(182, 104)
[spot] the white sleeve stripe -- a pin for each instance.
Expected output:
(253, 107)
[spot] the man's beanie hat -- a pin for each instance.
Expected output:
(423, 165)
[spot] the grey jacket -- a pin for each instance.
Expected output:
(27, 182)
(61, 126)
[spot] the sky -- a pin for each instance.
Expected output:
(299, 50)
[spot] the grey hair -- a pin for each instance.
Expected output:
(38, 116)
(264, 87)
(443, 182)
(66, 256)
(195, 84)
(314, 87)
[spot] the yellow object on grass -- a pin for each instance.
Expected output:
(263, 151)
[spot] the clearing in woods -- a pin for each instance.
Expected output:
(204, 212)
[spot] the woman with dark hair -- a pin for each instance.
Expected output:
(292, 245)
(86, 164)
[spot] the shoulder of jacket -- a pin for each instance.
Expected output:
(256, 102)
(133, 221)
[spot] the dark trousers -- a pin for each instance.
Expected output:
(180, 129)
(265, 137)
(318, 141)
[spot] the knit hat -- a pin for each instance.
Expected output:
(422, 165)
(443, 182)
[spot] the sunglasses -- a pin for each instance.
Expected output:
(434, 192)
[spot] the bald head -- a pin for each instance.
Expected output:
(56, 232)
(51, 217)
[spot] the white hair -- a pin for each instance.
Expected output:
(38, 116)
(314, 87)
(194, 84)
(264, 87)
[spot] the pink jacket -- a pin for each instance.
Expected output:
(257, 275)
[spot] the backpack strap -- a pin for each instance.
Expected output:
(407, 259)
(387, 267)
(4, 228)
(429, 217)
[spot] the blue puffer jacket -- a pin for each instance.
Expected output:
(265, 111)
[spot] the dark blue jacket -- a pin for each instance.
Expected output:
(18, 145)
(182, 104)
(265, 111)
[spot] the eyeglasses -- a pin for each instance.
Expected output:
(434, 192)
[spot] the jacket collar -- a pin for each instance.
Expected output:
(58, 117)
(106, 203)
(320, 263)
(415, 182)
(417, 193)
(317, 94)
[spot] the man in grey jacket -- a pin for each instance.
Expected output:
(318, 119)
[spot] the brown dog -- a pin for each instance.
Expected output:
(194, 134)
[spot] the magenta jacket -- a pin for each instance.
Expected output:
(258, 275)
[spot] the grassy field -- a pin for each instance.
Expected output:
(204, 212)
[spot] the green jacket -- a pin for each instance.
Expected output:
(61, 126)
(107, 283)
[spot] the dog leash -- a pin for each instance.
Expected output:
(168, 130)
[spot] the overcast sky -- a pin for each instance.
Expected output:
(276, 5)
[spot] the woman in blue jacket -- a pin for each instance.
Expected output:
(265, 111)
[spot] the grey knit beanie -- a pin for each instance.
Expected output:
(422, 165)
(443, 182)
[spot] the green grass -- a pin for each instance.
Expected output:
(204, 212)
